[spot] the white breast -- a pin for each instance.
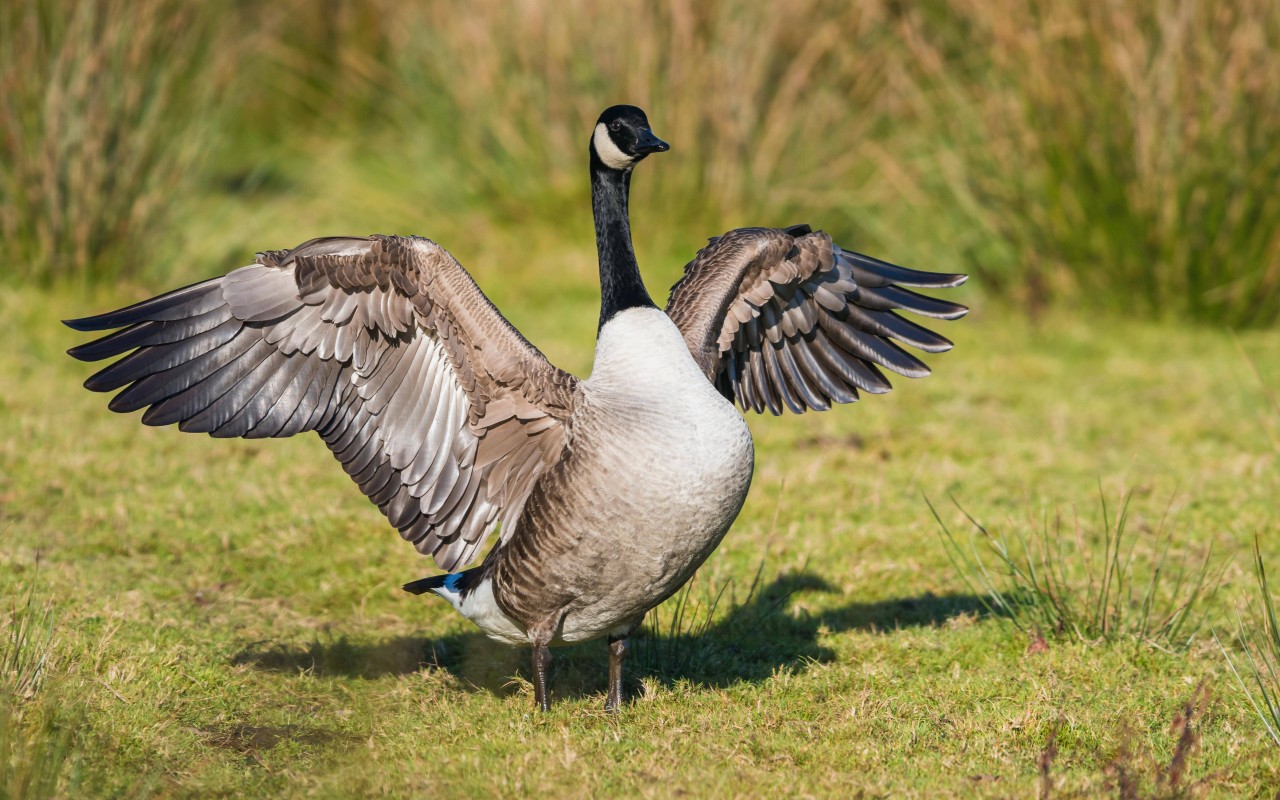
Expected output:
(653, 401)
(656, 405)
(683, 454)
(641, 350)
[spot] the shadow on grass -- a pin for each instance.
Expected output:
(684, 641)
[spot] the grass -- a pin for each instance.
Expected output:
(1110, 585)
(38, 744)
(38, 754)
(1258, 635)
(1090, 147)
(1257, 628)
(1139, 774)
(226, 614)
(26, 648)
(106, 111)
(229, 618)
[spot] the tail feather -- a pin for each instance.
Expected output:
(449, 581)
(424, 585)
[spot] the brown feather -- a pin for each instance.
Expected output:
(777, 317)
(435, 405)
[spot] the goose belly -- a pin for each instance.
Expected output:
(655, 504)
(621, 528)
(662, 466)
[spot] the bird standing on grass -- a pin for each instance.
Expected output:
(608, 492)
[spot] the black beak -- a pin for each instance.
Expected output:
(648, 143)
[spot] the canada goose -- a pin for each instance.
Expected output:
(609, 492)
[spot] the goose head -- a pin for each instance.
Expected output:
(622, 138)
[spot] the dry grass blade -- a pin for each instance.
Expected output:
(1045, 764)
(1188, 737)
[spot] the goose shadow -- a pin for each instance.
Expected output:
(704, 636)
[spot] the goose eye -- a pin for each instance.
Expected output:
(615, 126)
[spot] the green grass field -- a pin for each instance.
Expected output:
(227, 618)
(184, 617)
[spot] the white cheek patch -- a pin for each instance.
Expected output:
(609, 153)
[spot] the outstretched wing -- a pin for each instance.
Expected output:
(434, 404)
(783, 318)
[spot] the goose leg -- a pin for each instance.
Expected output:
(541, 662)
(617, 649)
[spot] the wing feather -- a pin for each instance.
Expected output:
(299, 410)
(828, 385)
(244, 385)
(783, 318)
(382, 345)
(874, 349)
(246, 421)
(189, 402)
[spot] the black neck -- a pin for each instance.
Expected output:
(620, 284)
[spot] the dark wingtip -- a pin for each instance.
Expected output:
(80, 324)
(111, 319)
(902, 276)
(178, 303)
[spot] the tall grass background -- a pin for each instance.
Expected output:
(105, 109)
(1123, 155)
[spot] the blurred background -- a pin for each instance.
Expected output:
(1123, 155)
